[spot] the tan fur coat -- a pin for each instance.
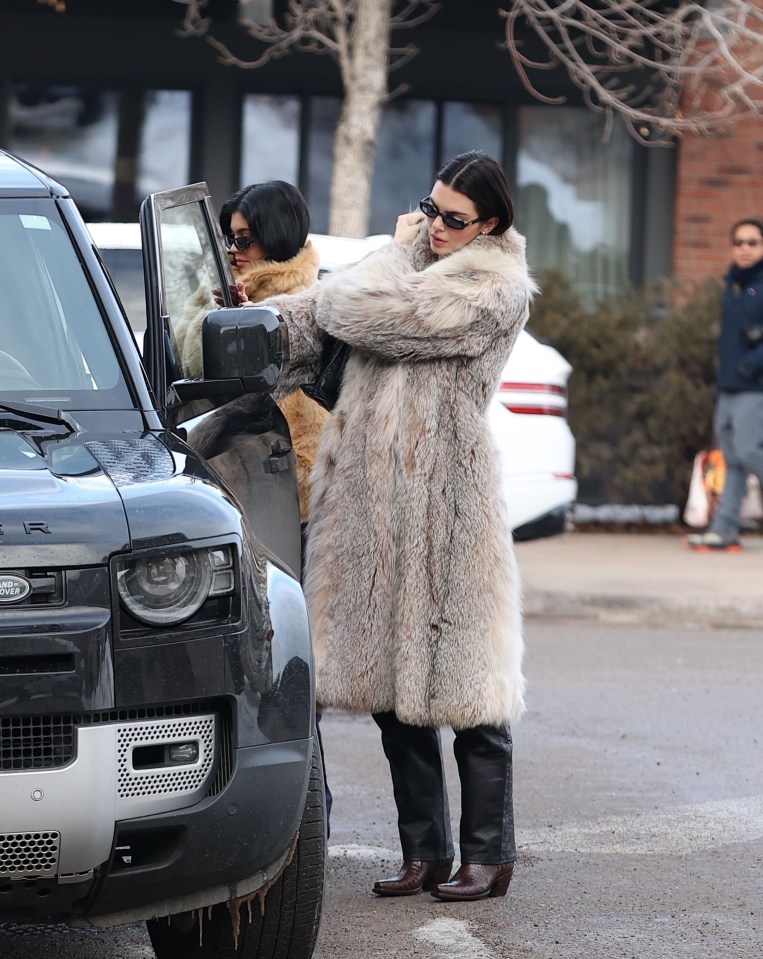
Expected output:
(304, 416)
(412, 586)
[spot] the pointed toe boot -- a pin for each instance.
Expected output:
(415, 876)
(476, 880)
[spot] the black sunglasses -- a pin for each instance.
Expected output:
(241, 243)
(449, 219)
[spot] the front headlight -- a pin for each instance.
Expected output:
(169, 588)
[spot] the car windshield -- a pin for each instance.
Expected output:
(54, 346)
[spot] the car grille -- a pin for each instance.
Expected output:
(49, 742)
(36, 742)
(29, 854)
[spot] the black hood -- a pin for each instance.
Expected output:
(75, 500)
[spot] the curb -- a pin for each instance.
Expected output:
(643, 610)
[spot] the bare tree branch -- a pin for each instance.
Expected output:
(357, 35)
(308, 26)
(194, 24)
(343, 38)
(667, 69)
(399, 56)
(405, 16)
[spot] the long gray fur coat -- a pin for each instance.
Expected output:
(412, 586)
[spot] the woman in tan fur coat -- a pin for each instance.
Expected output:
(412, 587)
(265, 226)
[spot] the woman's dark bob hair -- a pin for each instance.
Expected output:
(277, 215)
(479, 177)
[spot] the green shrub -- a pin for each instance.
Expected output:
(642, 388)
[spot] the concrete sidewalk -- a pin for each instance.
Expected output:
(649, 578)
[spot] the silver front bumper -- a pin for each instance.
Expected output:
(60, 822)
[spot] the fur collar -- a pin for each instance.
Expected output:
(504, 255)
(269, 277)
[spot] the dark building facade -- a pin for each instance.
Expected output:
(111, 99)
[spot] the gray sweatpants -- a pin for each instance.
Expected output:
(739, 431)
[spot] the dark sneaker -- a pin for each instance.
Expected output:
(715, 542)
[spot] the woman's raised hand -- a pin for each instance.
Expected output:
(407, 226)
(243, 296)
(239, 291)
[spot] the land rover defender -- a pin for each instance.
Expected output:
(158, 758)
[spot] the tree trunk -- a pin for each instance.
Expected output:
(365, 90)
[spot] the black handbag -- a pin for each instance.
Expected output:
(328, 384)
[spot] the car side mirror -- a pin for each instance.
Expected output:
(244, 350)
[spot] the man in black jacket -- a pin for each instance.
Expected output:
(739, 403)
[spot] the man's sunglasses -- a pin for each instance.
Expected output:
(449, 219)
(241, 243)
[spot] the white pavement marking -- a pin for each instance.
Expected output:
(452, 940)
(674, 830)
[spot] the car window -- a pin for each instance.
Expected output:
(187, 258)
(189, 267)
(53, 340)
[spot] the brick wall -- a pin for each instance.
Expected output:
(718, 180)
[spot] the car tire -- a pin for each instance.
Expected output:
(288, 929)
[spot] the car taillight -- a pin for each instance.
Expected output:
(548, 399)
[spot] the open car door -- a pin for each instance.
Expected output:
(212, 369)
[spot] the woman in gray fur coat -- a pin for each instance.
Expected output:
(412, 587)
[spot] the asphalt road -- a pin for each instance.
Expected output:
(639, 808)
(638, 801)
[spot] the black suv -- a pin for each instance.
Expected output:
(158, 757)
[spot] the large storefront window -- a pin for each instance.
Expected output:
(472, 126)
(270, 139)
(405, 159)
(572, 191)
(165, 145)
(73, 134)
(324, 116)
(573, 198)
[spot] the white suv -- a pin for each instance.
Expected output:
(528, 414)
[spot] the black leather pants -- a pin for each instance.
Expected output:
(483, 756)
